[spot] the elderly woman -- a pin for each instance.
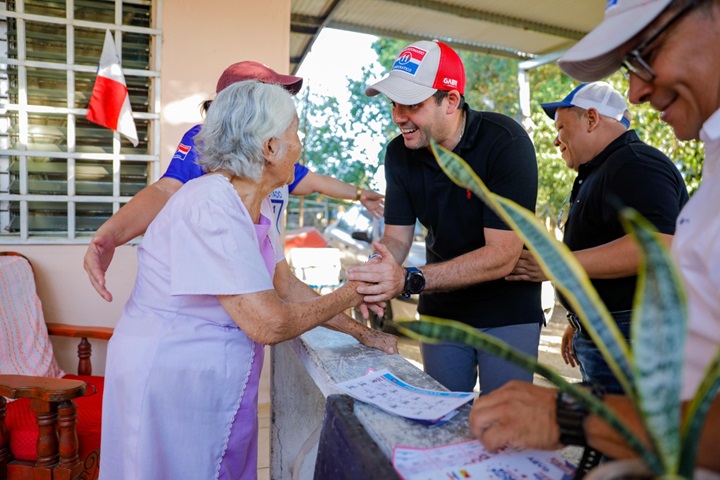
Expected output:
(212, 289)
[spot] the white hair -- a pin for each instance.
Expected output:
(242, 118)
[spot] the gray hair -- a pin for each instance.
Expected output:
(242, 118)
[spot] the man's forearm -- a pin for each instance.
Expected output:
(398, 249)
(616, 259)
(605, 439)
(326, 185)
(469, 269)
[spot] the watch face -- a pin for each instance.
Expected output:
(416, 282)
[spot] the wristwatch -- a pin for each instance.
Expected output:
(570, 415)
(414, 282)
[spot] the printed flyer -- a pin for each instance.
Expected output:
(470, 460)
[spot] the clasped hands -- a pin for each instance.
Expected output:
(383, 277)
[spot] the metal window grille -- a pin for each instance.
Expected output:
(62, 176)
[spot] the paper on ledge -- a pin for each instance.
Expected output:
(470, 460)
(386, 391)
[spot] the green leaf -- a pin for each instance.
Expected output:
(558, 263)
(660, 308)
(431, 330)
(696, 413)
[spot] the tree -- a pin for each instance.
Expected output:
(327, 138)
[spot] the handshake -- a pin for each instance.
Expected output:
(382, 278)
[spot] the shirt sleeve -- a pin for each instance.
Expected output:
(652, 189)
(215, 251)
(301, 172)
(183, 166)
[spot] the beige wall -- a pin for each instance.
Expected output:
(200, 39)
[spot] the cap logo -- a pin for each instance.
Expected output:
(409, 60)
(450, 82)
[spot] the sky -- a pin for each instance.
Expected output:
(336, 56)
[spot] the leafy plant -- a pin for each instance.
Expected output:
(650, 374)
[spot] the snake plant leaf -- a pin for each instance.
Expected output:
(432, 330)
(660, 308)
(695, 416)
(558, 264)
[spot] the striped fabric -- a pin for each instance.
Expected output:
(25, 348)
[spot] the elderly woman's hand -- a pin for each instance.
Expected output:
(380, 340)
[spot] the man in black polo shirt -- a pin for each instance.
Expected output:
(615, 169)
(469, 249)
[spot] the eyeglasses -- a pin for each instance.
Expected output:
(634, 63)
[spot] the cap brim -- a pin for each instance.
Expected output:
(551, 108)
(291, 83)
(596, 55)
(401, 91)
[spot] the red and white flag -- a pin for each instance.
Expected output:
(110, 103)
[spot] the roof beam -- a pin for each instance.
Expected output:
(411, 36)
(485, 16)
(299, 23)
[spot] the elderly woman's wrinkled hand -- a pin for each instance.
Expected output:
(380, 340)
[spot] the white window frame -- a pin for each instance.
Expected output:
(22, 107)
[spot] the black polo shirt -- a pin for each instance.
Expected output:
(627, 173)
(502, 155)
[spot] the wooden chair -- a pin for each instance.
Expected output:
(51, 429)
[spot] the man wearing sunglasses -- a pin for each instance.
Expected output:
(670, 50)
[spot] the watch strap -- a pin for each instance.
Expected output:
(570, 416)
(570, 420)
(406, 288)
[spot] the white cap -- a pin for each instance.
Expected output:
(596, 55)
(598, 95)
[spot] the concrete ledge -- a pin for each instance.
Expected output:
(304, 371)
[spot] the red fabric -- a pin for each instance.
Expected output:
(22, 426)
(307, 237)
(106, 102)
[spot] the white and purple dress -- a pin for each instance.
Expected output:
(182, 378)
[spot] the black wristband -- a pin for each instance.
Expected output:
(570, 416)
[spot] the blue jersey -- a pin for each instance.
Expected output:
(183, 166)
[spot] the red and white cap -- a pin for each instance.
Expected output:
(419, 71)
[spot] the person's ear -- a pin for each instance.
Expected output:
(593, 119)
(270, 149)
(453, 98)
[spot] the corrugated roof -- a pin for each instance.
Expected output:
(521, 29)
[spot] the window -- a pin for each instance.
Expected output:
(62, 176)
